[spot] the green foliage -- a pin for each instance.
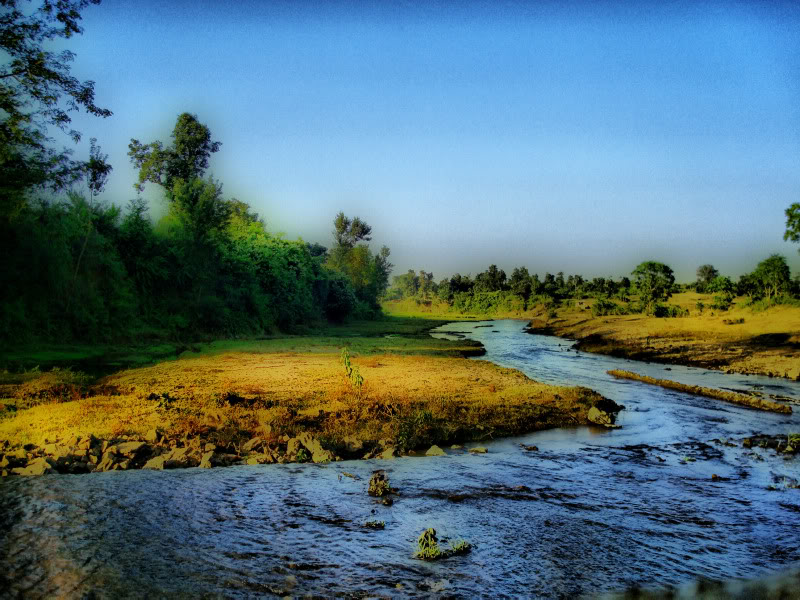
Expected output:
(654, 281)
(700, 306)
(186, 159)
(792, 233)
(604, 306)
(771, 277)
(705, 275)
(351, 372)
(669, 311)
(38, 91)
(414, 430)
(428, 547)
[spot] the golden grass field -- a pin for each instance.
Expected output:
(230, 395)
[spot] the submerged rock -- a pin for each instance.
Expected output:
(435, 451)
(478, 450)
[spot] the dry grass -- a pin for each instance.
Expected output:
(243, 394)
(765, 342)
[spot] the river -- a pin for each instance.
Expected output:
(591, 511)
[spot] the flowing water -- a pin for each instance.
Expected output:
(590, 512)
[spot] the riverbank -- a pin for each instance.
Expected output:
(740, 340)
(285, 399)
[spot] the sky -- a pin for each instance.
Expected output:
(575, 137)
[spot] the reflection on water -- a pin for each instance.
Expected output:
(590, 512)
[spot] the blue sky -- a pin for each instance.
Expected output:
(575, 137)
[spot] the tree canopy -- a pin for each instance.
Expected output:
(37, 91)
(654, 281)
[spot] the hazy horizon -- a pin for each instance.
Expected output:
(581, 138)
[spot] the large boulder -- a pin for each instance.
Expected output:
(601, 417)
(435, 451)
(38, 466)
(318, 453)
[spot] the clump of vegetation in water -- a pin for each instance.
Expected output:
(379, 485)
(375, 524)
(428, 547)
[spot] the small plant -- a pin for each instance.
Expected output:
(428, 547)
(700, 306)
(460, 547)
(375, 524)
(351, 371)
(303, 455)
(687, 459)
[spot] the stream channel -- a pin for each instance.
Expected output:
(591, 511)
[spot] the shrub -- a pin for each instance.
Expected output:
(669, 311)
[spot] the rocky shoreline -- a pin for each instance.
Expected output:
(160, 451)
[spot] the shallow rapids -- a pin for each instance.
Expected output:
(590, 511)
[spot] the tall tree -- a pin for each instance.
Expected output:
(772, 275)
(653, 281)
(793, 224)
(38, 91)
(186, 159)
(705, 275)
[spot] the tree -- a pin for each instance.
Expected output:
(348, 232)
(705, 275)
(520, 283)
(186, 159)
(793, 224)
(772, 276)
(653, 280)
(37, 91)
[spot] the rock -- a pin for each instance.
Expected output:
(601, 417)
(387, 454)
(292, 446)
(157, 463)
(251, 445)
(38, 466)
(180, 458)
(456, 447)
(19, 454)
(747, 443)
(253, 460)
(128, 449)
(209, 447)
(478, 450)
(530, 448)
(353, 444)
(152, 436)
(4, 462)
(318, 453)
(435, 451)
(107, 464)
(205, 462)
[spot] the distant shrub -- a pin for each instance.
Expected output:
(669, 311)
(700, 306)
(604, 306)
(722, 301)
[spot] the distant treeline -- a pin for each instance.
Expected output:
(76, 268)
(652, 283)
